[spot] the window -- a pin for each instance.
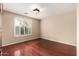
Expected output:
(22, 27)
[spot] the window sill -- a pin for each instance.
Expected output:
(22, 35)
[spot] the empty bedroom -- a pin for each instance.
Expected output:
(39, 29)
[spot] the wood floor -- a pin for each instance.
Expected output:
(39, 47)
(0, 50)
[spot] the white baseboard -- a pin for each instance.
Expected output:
(16, 42)
(61, 42)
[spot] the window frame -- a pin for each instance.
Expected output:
(19, 18)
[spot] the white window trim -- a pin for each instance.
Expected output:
(20, 30)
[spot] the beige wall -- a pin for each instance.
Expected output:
(60, 28)
(0, 31)
(8, 29)
(78, 29)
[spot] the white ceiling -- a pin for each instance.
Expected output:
(46, 9)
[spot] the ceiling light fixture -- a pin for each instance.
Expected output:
(36, 10)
